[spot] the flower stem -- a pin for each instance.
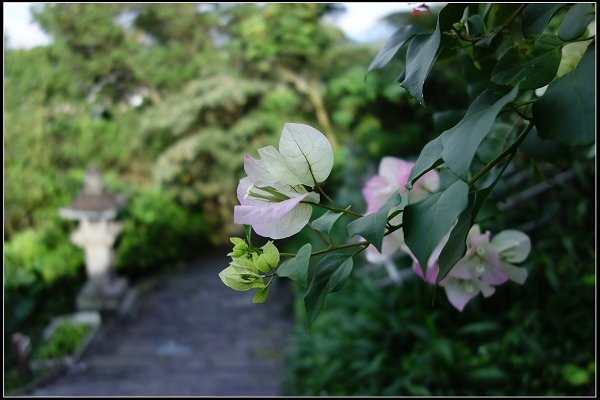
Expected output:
(320, 189)
(364, 243)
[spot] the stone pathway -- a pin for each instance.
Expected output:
(189, 336)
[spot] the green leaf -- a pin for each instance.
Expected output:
(444, 120)
(425, 223)
(236, 241)
(536, 16)
(543, 149)
(419, 60)
(475, 25)
(326, 221)
(269, 259)
(456, 246)
(499, 14)
(330, 275)
(372, 226)
(393, 44)
(423, 49)
(261, 295)
(248, 233)
(487, 40)
(460, 143)
(576, 21)
(486, 9)
(296, 268)
(533, 62)
(430, 157)
(566, 111)
(240, 278)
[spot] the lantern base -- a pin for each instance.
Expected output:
(115, 295)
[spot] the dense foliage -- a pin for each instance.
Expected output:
(511, 56)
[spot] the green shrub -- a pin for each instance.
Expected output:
(64, 341)
(157, 231)
(535, 339)
(36, 262)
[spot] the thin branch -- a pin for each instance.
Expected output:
(513, 147)
(320, 189)
(320, 235)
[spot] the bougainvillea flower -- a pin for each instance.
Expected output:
(305, 157)
(513, 247)
(486, 264)
(433, 266)
(273, 197)
(392, 177)
(270, 216)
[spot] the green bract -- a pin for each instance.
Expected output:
(247, 263)
(268, 260)
(240, 247)
(241, 275)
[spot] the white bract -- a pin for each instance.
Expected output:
(273, 197)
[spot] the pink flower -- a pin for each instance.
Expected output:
(486, 264)
(393, 177)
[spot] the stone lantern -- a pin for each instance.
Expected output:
(95, 209)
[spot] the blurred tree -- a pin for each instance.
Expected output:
(287, 42)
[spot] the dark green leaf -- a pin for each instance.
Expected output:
(425, 223)
(499, 15)
(450, 14)
(444, 120)
(487, 40)
(576, 21)
(391, 47)
(536, 16)
(460, 143)
(479, 76)
(330, 275)
(566, 111)
(296, 268)
(486, 9)
(543, 149)
(475, 26)
(456, 246)
(430, 157)
(423, 49)
(419, 60)
(326, 221)
(372, 226)
(533, 62)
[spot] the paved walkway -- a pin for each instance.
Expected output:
(189, 335)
